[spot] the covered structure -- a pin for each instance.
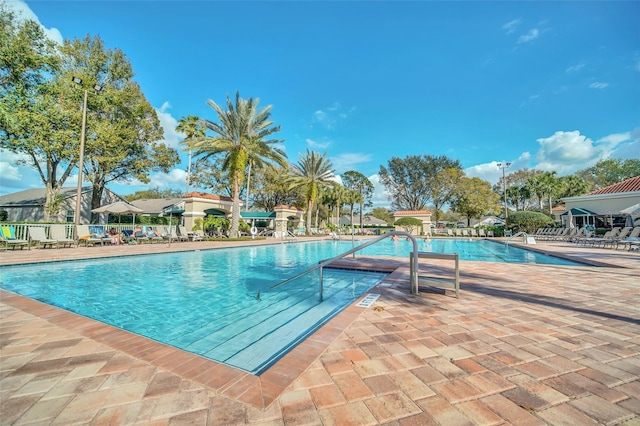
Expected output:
(607, 204)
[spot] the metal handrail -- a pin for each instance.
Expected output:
(321, 264)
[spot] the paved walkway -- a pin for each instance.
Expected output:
(525, 344)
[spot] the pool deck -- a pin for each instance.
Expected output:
(524, 344)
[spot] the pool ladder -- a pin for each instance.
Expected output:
(413, 259)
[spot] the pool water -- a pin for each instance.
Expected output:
(205, 302)
(467, 249)
(219, 303)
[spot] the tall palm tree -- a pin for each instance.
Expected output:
(313, 171)
(240, 134)
(193, 128)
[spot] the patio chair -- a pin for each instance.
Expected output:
(151, 238)
(8, 238)
(192, 236)
(38, 235)
(169, 235)
(181, 233)
(481, 233)
(59, 232)
(632, 239)
(621, 236)
(92, 234)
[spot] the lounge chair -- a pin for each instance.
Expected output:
(59, 232)
(154, 238)
(458, 232)
(621, 236)
(192, 236)
(181, 233)
(92, 234)
(169, 234)
(631, 240)
(481, 233)
(38, 235)
(8, 238)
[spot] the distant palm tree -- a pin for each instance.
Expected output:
(240, 135)
(194, 129)
(313, 172)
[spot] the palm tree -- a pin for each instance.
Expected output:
(313, 172)
(240, 135)
(193, 129)
(352, 197)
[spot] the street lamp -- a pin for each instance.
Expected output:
(503, 165)
(97, 88)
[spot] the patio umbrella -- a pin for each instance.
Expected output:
(119, 208)
(632, 210)
(570, 224)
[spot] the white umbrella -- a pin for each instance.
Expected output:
(570, 224)
(119, 207)
(632, 210)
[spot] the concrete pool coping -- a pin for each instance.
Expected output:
(312, 381)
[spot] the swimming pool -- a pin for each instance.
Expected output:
(215, 303)
(219, 303)
(467, 249)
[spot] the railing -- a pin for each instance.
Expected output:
(21, 229)
(320, 266)
(527, 239)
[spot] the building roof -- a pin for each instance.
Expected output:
(577, 211)
(35, 197)
(154, 206)
(629, 185)
(207, 196)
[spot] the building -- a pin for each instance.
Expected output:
(603, 207)
(28, 205)
(422, 215)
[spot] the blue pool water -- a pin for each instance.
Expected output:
(207, 302)
(467, 249)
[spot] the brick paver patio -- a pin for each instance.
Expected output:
(525, 344)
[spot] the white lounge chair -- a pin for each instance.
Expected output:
(38, 235)
(59, 232)
(92, 234)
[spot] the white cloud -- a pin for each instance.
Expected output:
(492, 173)
(598, 85)
(14, 177)
(23, 13)
(530, 36)
(169, 123)
(379, 197)
(317, 145)
(511, 26)
(349, 161)
(575, 68)
(331, 116)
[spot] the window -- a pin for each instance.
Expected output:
(70, 216)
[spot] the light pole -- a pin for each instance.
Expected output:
(97, 88)
(503, 166)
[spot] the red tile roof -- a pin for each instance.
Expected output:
(196, 194)
(629, 185)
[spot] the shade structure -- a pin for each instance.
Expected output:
(119, 207)
(632, 210)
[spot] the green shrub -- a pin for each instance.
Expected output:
(528, 221)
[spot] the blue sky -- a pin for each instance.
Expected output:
(545, 85)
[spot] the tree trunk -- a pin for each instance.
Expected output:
(309, 210)
(235, 212)
(96, 200)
